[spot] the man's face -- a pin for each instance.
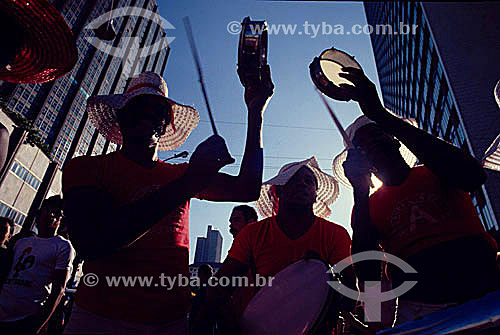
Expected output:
(238, 222)
(300, 190)
(144, 119)
(379, 147)
(50, 218)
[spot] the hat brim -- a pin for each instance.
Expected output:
(491, 159)
(338, 161)
(102, 113)
(49, 51)
(326, 194)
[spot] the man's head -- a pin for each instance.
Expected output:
(299, 191)
(380, 148)
(6, 230)
(205, 272)
(240, 217)
(143, 120)
(50, 216)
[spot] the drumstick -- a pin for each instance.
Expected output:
(336, 121)
(340, 128)
(189, 32)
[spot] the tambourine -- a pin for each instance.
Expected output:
(325, 71)
(252, 50)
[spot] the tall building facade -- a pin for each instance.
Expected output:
(208, 249)
(58, 108)
(443, 76)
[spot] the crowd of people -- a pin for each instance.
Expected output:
(127, 215)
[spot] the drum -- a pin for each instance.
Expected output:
(295, 302)
(325, 70)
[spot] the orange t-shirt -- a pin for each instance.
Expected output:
(264, 245)
(421, 213)
(162, 250)
(267, 250)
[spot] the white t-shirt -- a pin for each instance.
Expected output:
(29, 281)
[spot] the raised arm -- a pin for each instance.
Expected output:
(364, 234)
(452, 165)
(98, 226)
(246, 186)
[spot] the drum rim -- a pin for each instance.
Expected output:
(316, 72)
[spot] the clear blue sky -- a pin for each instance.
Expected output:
(296, 124)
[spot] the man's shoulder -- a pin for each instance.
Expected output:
(89, 160)
(332, 226)
(63, 241)
(256, 227)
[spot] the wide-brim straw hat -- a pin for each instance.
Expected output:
(491, 158)
(338, 161)
(102, 111)
(326, 194)
(49, 49)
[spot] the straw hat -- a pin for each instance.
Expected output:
(102, 111)
(491, 158)
(326, 194)
(49, 49)
(338, 161)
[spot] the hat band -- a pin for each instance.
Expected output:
(136, 87)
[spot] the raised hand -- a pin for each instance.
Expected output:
(357, 169)
(209, 157)
(258, 93)
(364, 92)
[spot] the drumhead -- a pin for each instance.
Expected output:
(325, 71)
(294, 302)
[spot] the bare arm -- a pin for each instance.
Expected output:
(246, 186)
(364, 236)
(452, 165)
(57, 292)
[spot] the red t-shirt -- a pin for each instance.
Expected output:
(267, 250)
(421, 213)
(163, 249)
(264, 245)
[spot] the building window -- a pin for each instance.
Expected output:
(25, 175)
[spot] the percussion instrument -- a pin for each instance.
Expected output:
(252, 51)
(325, 70)
(480, 316)
(295, 302)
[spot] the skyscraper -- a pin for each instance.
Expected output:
(58, 108)
(443, 76)
(208, 249)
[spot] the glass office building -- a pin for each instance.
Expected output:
(443, 76)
